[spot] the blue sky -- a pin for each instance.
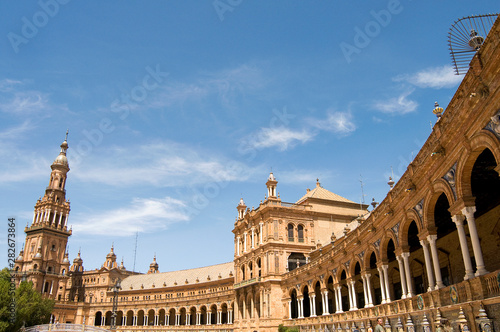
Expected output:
(176, 109)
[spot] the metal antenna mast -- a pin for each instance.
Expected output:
(362, 191)
(135, 249)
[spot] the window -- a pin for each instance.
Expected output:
(290, 232)
(300, 233)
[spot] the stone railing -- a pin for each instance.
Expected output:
(246, 282)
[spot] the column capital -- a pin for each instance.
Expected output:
(458, 219)
(468, 212)
(460, 203)
(423, 242)
(405, 254)
(432, 238)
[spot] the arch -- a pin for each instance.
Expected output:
(429, 207)
(352, 266)
(371, 250)
(388, 237)
(294, 310)
(213, 314)
(151, 317)
(192, 316)
(478, 142)
(224, 311)
(411, 215)
(441, 185)
(129, 320)
(140, 318)
(119, 318)
(203, 315)
(161, 317)
(98, 318)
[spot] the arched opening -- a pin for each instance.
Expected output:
(259, 269)
(119, 318)
(318, 299)
(192, 316)
(446, 234)
(140, 318)
(243, 272)
(257, 305)
(98, 319)
(130, 318)
(171, 317)
(107, 318)
(485, 183)
(213, 314)
(300, 233)
(250, 270)
(161, 317)
(358, 286)
(306, 303)
(203, 317)
(331, 295)
(375, 280)
(290, 233)
(182, 316)
(416, 253)
(296, 260)
(294, 304)
(224, 314)
(344, 291)
(151, 317)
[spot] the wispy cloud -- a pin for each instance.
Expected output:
(161, 164)
(141, 215)
(303, 176)
(17, 98)
(397, 105)
(280, 137)
(435, 78)
(337, 122)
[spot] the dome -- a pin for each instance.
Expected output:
(271, 177)
(20, 257)
(61, 159)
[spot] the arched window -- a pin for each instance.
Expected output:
(290, 232)
(300, 233)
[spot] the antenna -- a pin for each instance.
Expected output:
(362, 191)
(135, 249)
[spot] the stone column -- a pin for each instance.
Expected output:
(459, 222)
(289, 309)
(253, 238)
(402, 276)
(385, 268)
(406, 260)
(245, 242)
(468, 212)
(167, 320)
(435, 259)
(238, 245)
(312, 303)
(326, 310)
(338, 297)
(382, 284)
(365, 292)
(261, 226)
(301, 307)
(353, 294)
(428, 265)
(369, 289)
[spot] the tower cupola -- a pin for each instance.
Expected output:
(241, 209)
(271, 186)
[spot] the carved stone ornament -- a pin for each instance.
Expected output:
(450, 178)
(494, 125)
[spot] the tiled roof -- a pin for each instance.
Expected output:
(169, 279)
(322, 193)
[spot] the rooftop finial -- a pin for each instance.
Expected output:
(66, 138)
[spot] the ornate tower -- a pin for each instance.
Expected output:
(44, 260)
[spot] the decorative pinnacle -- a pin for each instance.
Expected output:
(438, 111)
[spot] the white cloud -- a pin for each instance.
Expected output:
(435, 78)
(280, 137)
(142, 215)
(303, 176)
(162, 164)
(338, 122)
(398, 105)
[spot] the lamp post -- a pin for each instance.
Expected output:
(115, 290)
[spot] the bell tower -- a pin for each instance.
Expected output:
(43, 258)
